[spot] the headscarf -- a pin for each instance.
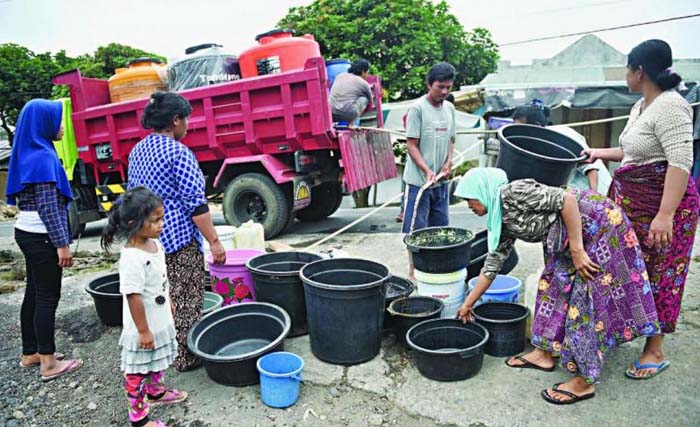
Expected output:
(484, 185)
(34, 159)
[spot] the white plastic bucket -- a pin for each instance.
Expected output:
(452, 306)
(226, 234)
(448, 287)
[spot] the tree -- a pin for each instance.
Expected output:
(24, 75)
(402, 39)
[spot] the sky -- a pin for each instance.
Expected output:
(167, 27)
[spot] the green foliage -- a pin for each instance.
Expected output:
(402, 39)
(25, 75)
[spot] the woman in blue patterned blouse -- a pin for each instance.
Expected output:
(38, 185)
(168, 168)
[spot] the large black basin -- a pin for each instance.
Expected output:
(535, 152)
(232, 339)
(447, 349)
(108, 301)
(450, 256)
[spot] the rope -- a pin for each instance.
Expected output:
(456, 161)
(484, 131)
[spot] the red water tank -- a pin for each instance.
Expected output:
(277, 51)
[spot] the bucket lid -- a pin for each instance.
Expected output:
(144, 59)
(441, 278)
(275, 32)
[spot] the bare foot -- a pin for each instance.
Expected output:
(576, 385)
(537, 357)
(648, 356)
(29, 360)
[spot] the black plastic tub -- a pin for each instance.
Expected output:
(108, 301)
(505, 322)
(232, 339)
(395, 287)
(440, 258)
(479, 250)
(345, 308)
(276, 280)
(447, 349)
(539, 153)
(407, 312)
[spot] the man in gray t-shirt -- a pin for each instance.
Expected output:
(430, 137)
(351, 94)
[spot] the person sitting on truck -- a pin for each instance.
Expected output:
(587, 176)
(430, 138)
(38, 185)
(167, 167)
(351, 94)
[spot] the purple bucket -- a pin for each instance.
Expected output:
(232, 280)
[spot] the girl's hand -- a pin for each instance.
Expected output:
(146, 340)
(592, 155)
(660, 231)
(172, 308)
(466, 312)
(583, 263)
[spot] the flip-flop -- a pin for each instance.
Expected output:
(660, 367)
(170, 397)
(57, 355)
(73, 365)
(526, 364)
(574, 398)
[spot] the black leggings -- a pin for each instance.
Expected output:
(38, 315)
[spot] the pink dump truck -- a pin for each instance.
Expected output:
(266, 143)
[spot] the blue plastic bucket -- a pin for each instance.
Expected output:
(503, 289)
(280, 378)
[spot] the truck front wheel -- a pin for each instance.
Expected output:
(254, 196)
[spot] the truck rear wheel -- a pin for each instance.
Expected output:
(254, 196)
(76, 228)
(325, 200)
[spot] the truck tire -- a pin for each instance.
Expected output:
(76, 228)
(256, 196)
(325, 200)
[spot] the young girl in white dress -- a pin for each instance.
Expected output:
(148, 338)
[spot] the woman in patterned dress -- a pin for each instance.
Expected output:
(654, 187)
(594, 292)
(162, 164)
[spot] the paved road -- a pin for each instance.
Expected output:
(383, 221)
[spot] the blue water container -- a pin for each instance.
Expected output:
(504, 288)
(335, 67)
(280, 378)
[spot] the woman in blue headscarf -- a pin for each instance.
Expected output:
(38, 185)
(594, 292)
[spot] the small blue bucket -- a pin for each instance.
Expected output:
(503, 289)
(280, 378)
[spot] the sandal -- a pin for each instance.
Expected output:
(637, 366)
(57, 355)
(169, 397)
(526, 364)
(73, 365)
(574, 398)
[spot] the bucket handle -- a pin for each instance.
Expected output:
(297, 377)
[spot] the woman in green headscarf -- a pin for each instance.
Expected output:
(594, 292)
